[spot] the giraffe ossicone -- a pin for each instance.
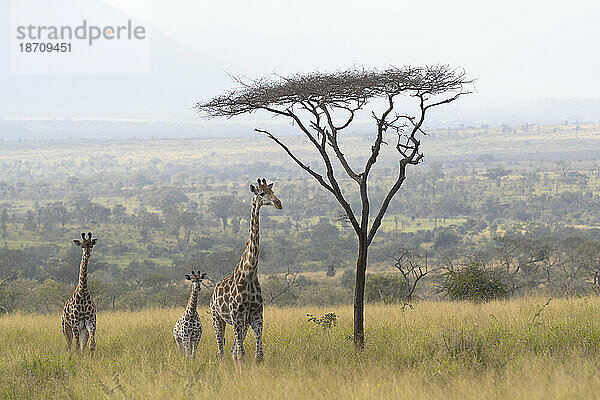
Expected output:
(78, 320)
(188, 328)
(237, 299)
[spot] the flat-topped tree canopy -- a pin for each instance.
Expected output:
(339, 88)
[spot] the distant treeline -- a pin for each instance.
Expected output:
(536, 226)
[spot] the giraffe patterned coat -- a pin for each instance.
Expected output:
(237, 299)
(188, 328)
(78, 320)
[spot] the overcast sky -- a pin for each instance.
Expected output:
(519, 51)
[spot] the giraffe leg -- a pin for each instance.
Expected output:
(194, 347)
(219, 327)
(180, 346)
(240, 328)
(75, 330)
(83, 338)
(91, 331)
(187, 345)
(256, 322)
(234, 348)
(67, 331)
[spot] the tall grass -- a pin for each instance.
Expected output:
(518, 349)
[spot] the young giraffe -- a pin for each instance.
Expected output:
(237, 299)
(79, 315)
(188, 328)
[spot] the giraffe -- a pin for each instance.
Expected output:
(237, 299)
(188, 328)
(79, 315)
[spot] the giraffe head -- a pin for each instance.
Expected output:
(86, 243)
(265, 195)
(196, 277)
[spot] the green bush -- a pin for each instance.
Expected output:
(349, 278)
(445, 239)
(474, 281)
(384, 288)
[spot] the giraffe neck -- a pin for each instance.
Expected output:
(248, 263)
(193, 301)
(83, 268)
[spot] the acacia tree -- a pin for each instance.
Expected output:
(322, 105)
(413, 266)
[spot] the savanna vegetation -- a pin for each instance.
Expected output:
(526, 348)
(502, 221)
(525, 214)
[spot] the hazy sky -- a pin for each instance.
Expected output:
(519, 51)
(532, 48)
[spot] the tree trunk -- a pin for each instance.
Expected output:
(224, 220)
(359, 293)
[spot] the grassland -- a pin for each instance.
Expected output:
(518, 349)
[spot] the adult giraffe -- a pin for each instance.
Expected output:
(79, 315)
(237, 299)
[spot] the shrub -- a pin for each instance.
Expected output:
(474, 282)
(386, 288)
(348, 278)
(445, 239)
(326, 322)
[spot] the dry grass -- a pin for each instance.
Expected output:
(435, 350)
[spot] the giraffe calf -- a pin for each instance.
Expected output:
(188, 328)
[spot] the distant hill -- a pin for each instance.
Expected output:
(115, 129)
(546, 112)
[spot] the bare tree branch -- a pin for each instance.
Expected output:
(413, 266)
(305, 167)
(410, 152)
(320, 146)
(290, 284)
(333, 138)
